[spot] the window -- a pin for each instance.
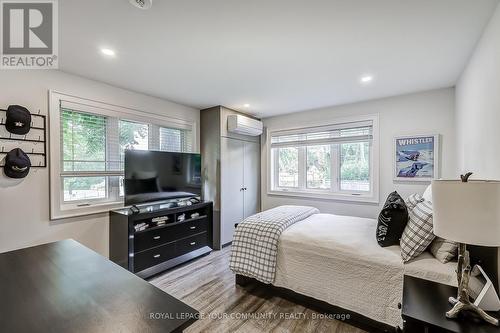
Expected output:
(319, 162)
(336, 161)
(288, 167)
(87, 166)
(172, 139)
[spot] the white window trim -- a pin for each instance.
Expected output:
(372, 197)
(57, 209)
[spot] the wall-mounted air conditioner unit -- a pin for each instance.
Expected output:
(244, 125)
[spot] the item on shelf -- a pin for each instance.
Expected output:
(160, 219)
(195, 215)
(467, 212)
(195, 200)
(181, 217)
(134, 210)
(18, 120)
(141, 226)
(17, 164)
(160, 223)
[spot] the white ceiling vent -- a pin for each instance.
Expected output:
(142, 4)
(240, 124)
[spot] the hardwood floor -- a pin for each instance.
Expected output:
(208, 285)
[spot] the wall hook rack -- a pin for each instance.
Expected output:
(29, 142)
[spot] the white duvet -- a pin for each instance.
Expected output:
(336, 259)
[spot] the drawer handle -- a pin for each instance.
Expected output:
(192, 228)
(192, 243)
(156, 256)
(156, 237)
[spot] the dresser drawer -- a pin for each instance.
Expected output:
(155, 256)
(149, 239)
(190, 228)
(189, 244)
(156, 237)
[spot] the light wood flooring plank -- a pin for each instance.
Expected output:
(208, 285)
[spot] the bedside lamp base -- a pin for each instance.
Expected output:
(459, 307)
(462, 302)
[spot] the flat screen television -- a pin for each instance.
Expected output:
(158, 176)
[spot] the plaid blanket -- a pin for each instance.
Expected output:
(255, 241)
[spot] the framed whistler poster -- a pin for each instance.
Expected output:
(416, 158)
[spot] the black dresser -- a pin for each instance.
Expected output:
(170, 235)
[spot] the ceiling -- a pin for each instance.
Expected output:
(279, 56)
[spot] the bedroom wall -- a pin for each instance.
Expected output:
(478, 107)
(421, 113)
(24, 206)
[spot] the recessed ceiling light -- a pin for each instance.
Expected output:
(108, 52)
(366, 79)
(246, 105)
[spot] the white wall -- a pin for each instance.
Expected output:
(423, 113)
(478, 107)
(24, 206)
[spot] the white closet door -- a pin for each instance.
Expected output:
(251, 179)
(232, 160)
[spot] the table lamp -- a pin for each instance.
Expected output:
(467, 212)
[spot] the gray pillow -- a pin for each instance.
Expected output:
(444, 250)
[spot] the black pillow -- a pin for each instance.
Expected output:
(392, 220)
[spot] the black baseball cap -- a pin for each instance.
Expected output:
(17, 164)
(18, 120)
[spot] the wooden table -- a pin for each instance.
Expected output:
(425, 304)
(66, 287)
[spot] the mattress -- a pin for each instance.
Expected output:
(336, 259)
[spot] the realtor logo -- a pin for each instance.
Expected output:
(29, 34)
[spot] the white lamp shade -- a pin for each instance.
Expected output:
(467, 212)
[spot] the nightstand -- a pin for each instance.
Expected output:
(424, 306)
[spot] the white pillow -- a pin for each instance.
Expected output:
(428, 194)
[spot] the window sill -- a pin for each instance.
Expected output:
(69, 212)
(326, 196)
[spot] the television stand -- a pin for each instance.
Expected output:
(159, 237)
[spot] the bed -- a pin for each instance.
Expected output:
(336, 260)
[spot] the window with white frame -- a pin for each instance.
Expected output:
(91, 143)
(335, 161)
